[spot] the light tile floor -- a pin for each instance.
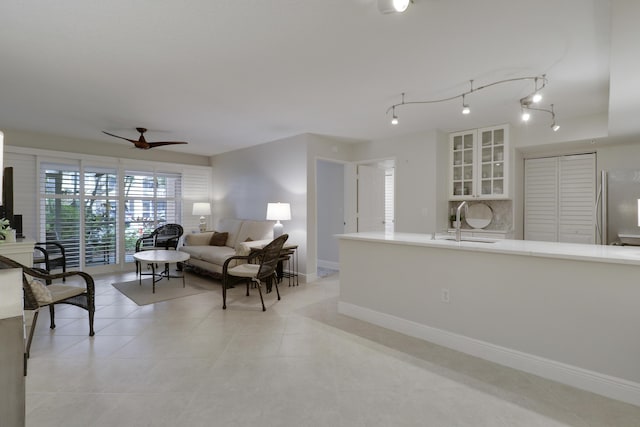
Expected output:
(186, 362)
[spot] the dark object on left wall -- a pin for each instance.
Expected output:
(17, 224)
(7, 195)
(6, 209)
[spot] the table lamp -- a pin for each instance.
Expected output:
(278, 212)
(202, 209)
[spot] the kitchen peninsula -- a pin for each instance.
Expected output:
(568, 312)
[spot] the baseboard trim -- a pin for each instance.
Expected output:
(595, 382)
(331, 265)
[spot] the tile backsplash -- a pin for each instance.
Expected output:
(502, 214)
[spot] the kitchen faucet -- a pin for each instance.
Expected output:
(458, 221)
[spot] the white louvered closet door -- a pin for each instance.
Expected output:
(560, 199)
(541, 199)
(577, 184)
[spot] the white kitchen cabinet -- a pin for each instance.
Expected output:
(479, 164)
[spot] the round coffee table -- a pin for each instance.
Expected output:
(160, 256)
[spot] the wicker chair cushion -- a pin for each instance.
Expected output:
(244, 270)
(40, 291)
(61, 292)
(219, 239)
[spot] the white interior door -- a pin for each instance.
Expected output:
(371, 194)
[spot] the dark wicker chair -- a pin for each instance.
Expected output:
(83, 297)
(51, 254)
(164, 237)
(263, 270)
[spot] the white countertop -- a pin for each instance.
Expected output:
(573, 251)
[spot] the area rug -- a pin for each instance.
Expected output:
(165, 290)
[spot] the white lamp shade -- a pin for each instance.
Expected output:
(202, 209)
(279, 211)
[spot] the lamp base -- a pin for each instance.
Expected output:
(203, 224)
(277, 229)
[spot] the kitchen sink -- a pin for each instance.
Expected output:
(468, 239)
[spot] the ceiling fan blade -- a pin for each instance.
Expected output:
(141, 143)
(121, 137)
(157, 144)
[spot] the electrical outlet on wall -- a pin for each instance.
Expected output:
(445, 296)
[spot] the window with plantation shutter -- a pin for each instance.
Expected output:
(151, 199)
(100, 215)
(60, 207)
(196, 183)
(96, 212)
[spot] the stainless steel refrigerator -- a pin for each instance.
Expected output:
(617, 207)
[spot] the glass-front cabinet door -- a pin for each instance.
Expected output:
(463, 169)
(493, 149)
(479, 164)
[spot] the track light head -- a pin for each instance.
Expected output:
(393, 6)
(465, 108)
(394, 120)
(555, 127)
(525, 116)
(536, 97)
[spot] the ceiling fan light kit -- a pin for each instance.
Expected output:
(142, 143)
(526, 104)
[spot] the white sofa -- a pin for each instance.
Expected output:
(243, 235)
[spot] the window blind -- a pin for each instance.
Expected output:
(60, 208)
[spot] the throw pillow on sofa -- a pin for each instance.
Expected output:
(219, 239)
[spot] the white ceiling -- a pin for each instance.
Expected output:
(226, 74)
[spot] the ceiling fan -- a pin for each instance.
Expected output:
(142, 143)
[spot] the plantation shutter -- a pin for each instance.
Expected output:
(197, 184)
(151, 199)
(100, 215)
(60, 207)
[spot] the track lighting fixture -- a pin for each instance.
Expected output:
(525, 103)
(536, 97)
(465, 108)
(393, 6)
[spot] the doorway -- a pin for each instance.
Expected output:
(330, 213)
(376, 196)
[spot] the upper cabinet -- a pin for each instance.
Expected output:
(479, 164)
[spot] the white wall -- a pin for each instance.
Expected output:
(330, 188)
(619, 156)
(244, 181)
